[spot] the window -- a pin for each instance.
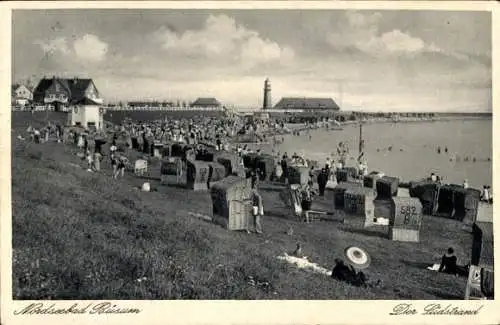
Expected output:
(58, 87)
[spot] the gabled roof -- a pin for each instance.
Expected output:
(306, 103)
(206, 102)
(75, 87)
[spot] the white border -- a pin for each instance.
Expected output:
(228, 312)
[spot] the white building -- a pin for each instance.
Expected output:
(78, 97)
(21, 95)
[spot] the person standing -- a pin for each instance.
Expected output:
(97, 161)
(257, 209)
(90, 161)
(36, 136)
(284, 168)
(322, 180)
(114, 164)
(306, 199)
(120, 170)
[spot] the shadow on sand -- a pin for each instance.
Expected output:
(418, 265)
(366, 232)
(444, 295)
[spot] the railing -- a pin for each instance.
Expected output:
(162, 108)
(36, 108)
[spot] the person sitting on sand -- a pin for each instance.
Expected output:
(298, 251)
(342, 272)
(449, 264)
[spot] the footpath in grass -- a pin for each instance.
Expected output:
(80, 235)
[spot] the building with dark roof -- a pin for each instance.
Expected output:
(78, 96)
(307, 103)
(62, 92)
(206, 102)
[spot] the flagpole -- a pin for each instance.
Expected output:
(361, 143)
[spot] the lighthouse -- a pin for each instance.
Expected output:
(267, 94)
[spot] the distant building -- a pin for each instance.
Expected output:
(134, 104)
(21, 95)
(78, 96)
(291, 103)
(206, 102)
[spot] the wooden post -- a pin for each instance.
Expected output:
(361, 143)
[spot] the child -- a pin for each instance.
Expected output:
(122, 161)
(89, 161)
(97, 161)
(114, 164)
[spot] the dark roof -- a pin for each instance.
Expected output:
(306, 103)
(206, 102)
(86, 101)
(74, 86)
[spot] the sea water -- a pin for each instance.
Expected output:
(408, 150)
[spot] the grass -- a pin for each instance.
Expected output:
(78, 235)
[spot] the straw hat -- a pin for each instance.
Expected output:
(358, 257)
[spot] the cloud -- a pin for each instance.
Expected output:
(55, 46)
(222, 39)
(362, 32)
(90, 48)
(87, 48)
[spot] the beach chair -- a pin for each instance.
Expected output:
(140, 167)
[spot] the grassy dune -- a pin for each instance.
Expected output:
(80, 235)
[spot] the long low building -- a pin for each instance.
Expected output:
(307, 104)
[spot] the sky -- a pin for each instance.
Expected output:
(365, 60)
